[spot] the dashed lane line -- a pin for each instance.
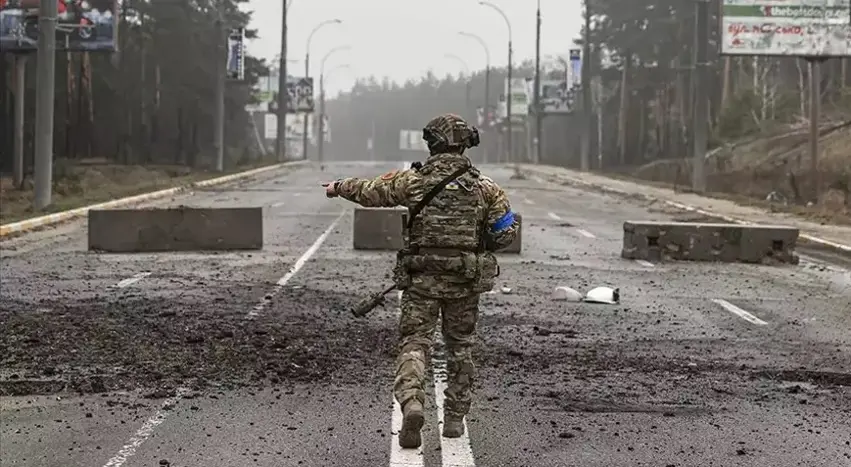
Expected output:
(305, 257)
(586, 233)
(739, 312)
(554, 216)
(131, 280)
(145, 431)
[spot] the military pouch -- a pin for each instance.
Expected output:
(436, 264)
(483, 269)
(401, 271)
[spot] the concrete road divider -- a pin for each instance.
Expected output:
(383, 229)
(378, 228)
(175, 229)
(36, 223)
(660, 241)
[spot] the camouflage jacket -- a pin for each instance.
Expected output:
(407, 187)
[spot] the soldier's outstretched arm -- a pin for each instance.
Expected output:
(502, 224)
(386, 191)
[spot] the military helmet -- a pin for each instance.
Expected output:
(451, 131)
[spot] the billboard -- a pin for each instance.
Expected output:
(798, 28)
(556, 97)
(300, 92)
(81, 25)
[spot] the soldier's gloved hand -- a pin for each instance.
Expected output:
(331, 189)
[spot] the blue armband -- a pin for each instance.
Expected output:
(503, 223)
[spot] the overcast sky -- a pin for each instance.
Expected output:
(404, 38)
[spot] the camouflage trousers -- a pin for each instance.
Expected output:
(417, 325)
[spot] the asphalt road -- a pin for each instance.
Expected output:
(251, 359)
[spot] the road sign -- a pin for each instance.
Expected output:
(798, 28)
(80, 26)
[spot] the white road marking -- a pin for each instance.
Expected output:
(586, 233)
(402, 457)
(278, 204)
(645, 263)
(554, 216)
(131, 280)
(455, 452)
(142, 434)
(528, 201)
(739, 312)
(305, 257)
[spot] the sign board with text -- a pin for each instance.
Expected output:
(797, 28)
(89, 26)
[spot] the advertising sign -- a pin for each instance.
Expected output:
(575, 75)
(799, 28)
(301, 95)
(518, 92)
(236, 55)
(556, 97)
(81, 25)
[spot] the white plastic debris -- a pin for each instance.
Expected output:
(505, 290)
(566, 294)
(606, 295)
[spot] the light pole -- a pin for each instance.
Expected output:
(307, 73)
(508, 92)
(487, 66)
(321, 125)
(283, 94)
(320, 143)
(467, 72)
(539, 117)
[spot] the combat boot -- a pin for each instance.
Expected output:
(412, 423)
(453, 426)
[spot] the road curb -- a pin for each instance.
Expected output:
(36, 223)
(811, 239)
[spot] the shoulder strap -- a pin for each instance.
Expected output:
(415, 211)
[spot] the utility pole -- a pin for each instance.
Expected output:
(320, 142)
(585, 139)
(221, 71)
(701, 96)
(539, 116)
(44, 105)
(510, 128)
(20, 92)
(815, 115)
(305, 126)
(283, 93)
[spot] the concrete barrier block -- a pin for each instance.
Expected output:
(378, 228)
(660, 241)
(175, 229)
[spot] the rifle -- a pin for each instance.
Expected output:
(368, 304)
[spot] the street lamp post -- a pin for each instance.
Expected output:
(307, 74)
(487, 66)
(321, 125)
(508, 91)
(486, 105)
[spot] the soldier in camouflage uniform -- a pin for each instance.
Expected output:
(447, 263)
